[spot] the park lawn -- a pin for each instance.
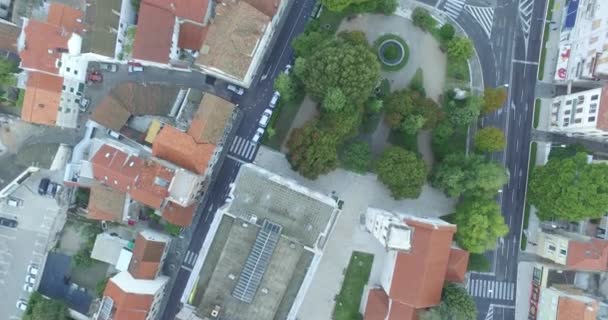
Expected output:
(355, 279)
(281, 120)
(331, 20)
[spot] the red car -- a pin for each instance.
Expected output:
(94, 77)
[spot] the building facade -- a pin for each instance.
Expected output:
(583, 114)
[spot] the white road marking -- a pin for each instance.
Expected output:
(484, 16)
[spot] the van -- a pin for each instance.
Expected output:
(43, 186)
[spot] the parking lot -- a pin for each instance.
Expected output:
(38, 221)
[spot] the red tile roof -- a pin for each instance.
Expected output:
(457, 265)
(602, 113)
(43, 45)
(116, 168)
(147, 255)
(180, 148)
(191, 36)
(154, 32)
(377, 305)
(128, 305)
(194, 10)
(589, 255)
(178, 215)
(401, 311)
(419, 274)
(573, 309)
(42, 98)
(267, 7)
(65, 16)
(151, 186)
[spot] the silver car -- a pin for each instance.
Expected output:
(258, 135)
(265, 118)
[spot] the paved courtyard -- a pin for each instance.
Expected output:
(358, 192)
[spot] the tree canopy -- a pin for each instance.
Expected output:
(480, 224)
(384, 6)
(353, 69)
(312, 151)
(460, 48)
(402, 171)
(340, 5)
(286, 86)
(459, 304)
(312, 38)
(40, 308)
(461, 113)
(493, 99)
(474, 176)
(356, 156)
(569, 189)
(334, 100)
(409, 111)
(423, 19)
(489, 139)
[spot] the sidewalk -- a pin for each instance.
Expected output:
(522, 296)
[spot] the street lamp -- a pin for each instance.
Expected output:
(558, 146)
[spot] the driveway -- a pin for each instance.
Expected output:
(358, 192)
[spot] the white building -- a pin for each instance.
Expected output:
(583, 52)
(582, 114)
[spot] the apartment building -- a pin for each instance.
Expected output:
(583, 114)
(573, 251)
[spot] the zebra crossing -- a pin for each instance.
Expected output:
(490, 314)
(484, 16)
(453, 8)
(525, 15)
(491, 289)
(190, 258)
(243, 148)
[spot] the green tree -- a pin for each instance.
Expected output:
(458, 302)
(423, 19)
(417, 82)
(458, 175)
(7, 72)
(340, 5)
(342, 124)
(460, 48)
(435, 313)
(412, 124)
(493, 99)
(406, 109)
(312, 151)
(286, 86)
(462, 113)
(374, 106)
(480, 224)
(402, 171)
(334, 100)
(446, 32)
(40, 308)
(354, 37)
(353, 69)
(398, 106)
(309, 41)
(489, 139)
(478, 262)
(429, 110)
(569, 189)
(356, 156)
(569, 151)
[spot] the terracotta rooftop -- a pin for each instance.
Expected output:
(65, 16)
(151, 186)
(377, 305)
(194, 10)
(128, 305)
(589, 255)
(424, 267)
(235, 32)
(571, 309)
(44, 43)
(110, 113)
(42, 98)
(105, 203)
(602, 113)
(401, 311)
(210, 120)
(154, 32)
(178, 215)
(115, 168)
(457, 265)
(147, 255)
(180, 148)
(191, 36)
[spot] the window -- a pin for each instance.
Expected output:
(567, 112)
(593, 108)
(71, 90)
(579, 110)
(578, 120)
(581, 99)
(569, 102)
(67, 69)
(562, 252)
(591, 119)
(594, 97)
(63, 87)
(76, 72)
(551, 247)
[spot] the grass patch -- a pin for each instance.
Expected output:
(536, 113)
(391, 52)
(549, 17)
(331, 20)
(457, 73)
(281, 120)
(355, 279)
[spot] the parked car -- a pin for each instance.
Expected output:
(43, 186)
(29, 279)
(33, 269)
(113, 134)
(108, 67)
(235, 89)
(274, 99)
(22, 304)
(94, 77)
(265, 118)
(9, 223)
(14, 202)
(84, 103)
(287, 69)
(135, 67)
(258, 134)
(28, 288)
(52, 189)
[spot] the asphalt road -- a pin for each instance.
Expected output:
(252, 103)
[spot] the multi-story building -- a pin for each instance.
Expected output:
(582, 114)
(583, 52)
(137, 292)
(420, 259)
(573, 251)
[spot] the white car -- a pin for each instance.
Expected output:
(287, 69)
(258, 134)
(235, 89)
(22, 305)
(28, 288)
(274, 99)
(29, 279)
(32, 269)
(265, 118)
